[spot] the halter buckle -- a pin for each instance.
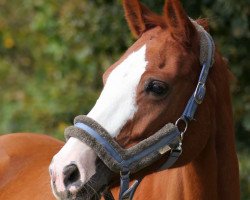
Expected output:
(200, 92)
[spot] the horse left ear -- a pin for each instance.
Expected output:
(178, 21)
(139, 17)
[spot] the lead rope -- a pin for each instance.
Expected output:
(126, 192)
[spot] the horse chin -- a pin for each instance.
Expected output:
(99, 182)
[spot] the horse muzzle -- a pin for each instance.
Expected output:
(91, 190)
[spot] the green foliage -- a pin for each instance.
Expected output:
(52, 59)
(245, 174)
(53, 53)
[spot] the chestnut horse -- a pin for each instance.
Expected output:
(148, 87)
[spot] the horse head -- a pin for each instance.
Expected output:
(145, 89)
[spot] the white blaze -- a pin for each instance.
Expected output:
(117, 102)
(115, 106)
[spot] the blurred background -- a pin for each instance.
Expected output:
(53, 54)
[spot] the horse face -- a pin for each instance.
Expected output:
(148, 87)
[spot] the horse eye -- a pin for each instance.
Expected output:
(157, 88)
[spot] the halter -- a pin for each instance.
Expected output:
(166, 140)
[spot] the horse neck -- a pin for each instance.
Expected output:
(215, 170)
(227, 162)
(214, 173)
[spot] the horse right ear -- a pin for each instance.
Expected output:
(178, 21)
(139, 17)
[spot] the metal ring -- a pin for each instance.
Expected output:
(182, 119)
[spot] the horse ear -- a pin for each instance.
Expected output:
(178, 22)
(139, 17)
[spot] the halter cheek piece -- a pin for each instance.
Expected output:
(166, 140)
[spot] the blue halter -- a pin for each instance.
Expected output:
(197, 97)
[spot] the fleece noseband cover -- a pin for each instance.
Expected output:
(113, 155)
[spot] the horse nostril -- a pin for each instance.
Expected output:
(72, 175)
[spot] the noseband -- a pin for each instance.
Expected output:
(166, 140)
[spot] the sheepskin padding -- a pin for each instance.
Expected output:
(205, 42)
(168, 130)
